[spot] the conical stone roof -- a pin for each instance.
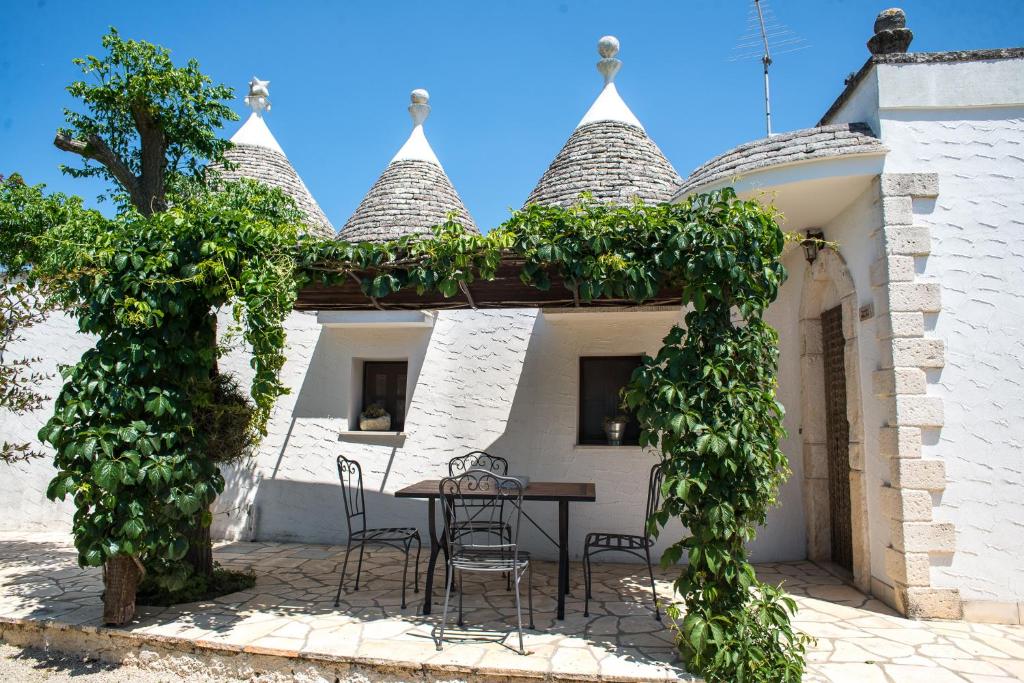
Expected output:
(412, 195)
(256, 154)
(609, 154)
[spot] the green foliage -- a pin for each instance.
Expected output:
(197, 588)
(755, 643)
(130, 452)
(706, 401)
(159, 120)
(23, 302)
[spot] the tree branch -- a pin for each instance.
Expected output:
(96, 149)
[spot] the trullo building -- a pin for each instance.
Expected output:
(902, 362)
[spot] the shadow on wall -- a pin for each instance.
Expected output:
(306, 426)
(514, 395)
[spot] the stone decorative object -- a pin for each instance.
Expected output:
(891, 33)
(609, 154)
(412, 195)
(374, 419)
(259, 96)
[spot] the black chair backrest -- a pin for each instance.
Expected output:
(487, 500)
(351, 475)
(653, 495)
(477, 460)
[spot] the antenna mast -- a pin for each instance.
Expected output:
(766, 60)
(765, 39)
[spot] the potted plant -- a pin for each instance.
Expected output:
(615, 428)
(374, 419)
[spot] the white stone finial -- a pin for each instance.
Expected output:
(608, 47)
(416, 148)
(420, 107)
(609, 106)
(259, 96)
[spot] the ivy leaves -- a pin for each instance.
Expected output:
(129, 452)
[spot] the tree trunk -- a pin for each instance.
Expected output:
(200, 549)
(121, 576)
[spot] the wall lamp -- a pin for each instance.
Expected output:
(812, 242)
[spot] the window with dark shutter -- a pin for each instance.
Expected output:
(601, 380)
(384, 384)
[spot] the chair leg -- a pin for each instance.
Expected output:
(405, 569)
(359, 569)
(462, 622)
(519, 615)
(587, 579)
(344, 566)
(416, 569)
(444, 613)
(507, 532)
(654, 589)
(529, 592)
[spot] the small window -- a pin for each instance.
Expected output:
(384, 384)
(601, 381)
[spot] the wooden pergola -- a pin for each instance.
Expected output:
(505, 290)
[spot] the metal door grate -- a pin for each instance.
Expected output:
(837, 437)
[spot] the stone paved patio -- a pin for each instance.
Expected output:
(290, 610)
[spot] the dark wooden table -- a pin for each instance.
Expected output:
(559, 492)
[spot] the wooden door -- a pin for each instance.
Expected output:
(837, 436)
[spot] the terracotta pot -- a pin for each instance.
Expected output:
(375, 424)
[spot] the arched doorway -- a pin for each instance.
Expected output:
(832, 429)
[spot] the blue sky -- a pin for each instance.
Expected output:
(508, 80)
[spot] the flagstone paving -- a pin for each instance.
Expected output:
(291, 609)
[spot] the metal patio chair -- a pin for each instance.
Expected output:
(400, 538)
(482, 495)
(481, 460)
(632, 544)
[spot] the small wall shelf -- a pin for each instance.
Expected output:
(383, 438)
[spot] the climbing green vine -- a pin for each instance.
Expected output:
(149, 287)
(706, 401)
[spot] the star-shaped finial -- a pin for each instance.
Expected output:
(259, 96)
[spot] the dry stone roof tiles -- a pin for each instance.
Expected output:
(612, 160)
(410, 197)
(274, 170)
(835, 140)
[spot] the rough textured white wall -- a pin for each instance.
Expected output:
(977, 231)
(23, 502)
(502, 381)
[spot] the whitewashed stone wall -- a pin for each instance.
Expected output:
(976, 226)
(23, 502)
(501, 381)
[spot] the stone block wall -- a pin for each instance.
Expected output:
(902, 300)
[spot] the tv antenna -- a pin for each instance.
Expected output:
(763, 27)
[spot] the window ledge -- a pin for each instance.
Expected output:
(606, 447)
(359, 436)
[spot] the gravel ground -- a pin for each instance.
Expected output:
(29, 665)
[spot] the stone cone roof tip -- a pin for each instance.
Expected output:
(257, 155)
(609, 154)
(412, 195)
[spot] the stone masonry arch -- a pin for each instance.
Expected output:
(827, 284)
